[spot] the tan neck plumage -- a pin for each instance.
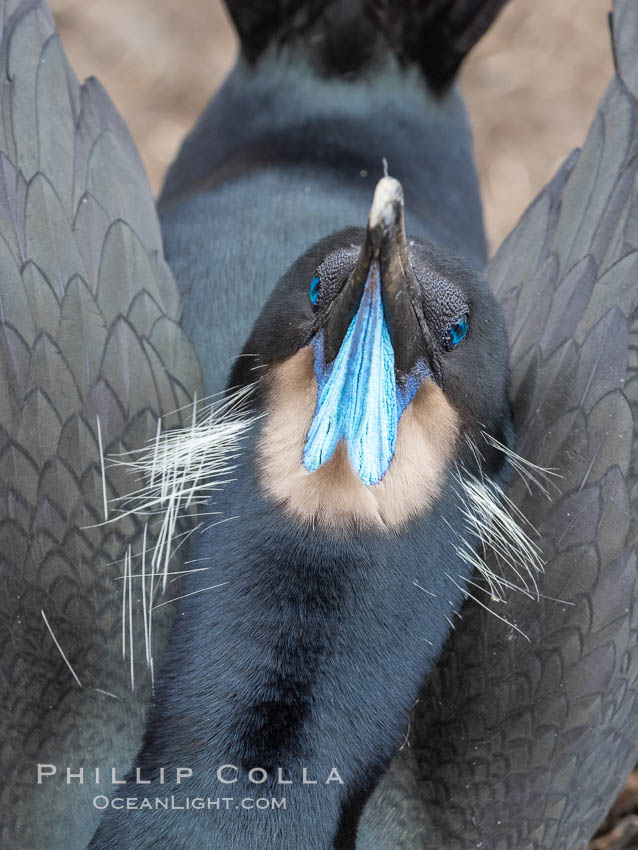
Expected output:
(334, 496)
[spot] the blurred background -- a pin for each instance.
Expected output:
(532, 85)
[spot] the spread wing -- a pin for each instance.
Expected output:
(88, 331)
(523, 743)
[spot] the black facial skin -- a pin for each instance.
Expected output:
(314, 649)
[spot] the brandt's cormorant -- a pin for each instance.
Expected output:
(362, 484)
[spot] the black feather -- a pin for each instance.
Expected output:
(346, 37)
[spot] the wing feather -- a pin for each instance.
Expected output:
(89, 328)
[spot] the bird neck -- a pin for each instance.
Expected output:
(282, 112)
(305, 662)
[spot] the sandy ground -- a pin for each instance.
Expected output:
(532, 87)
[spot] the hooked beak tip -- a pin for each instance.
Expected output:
(383, 254)
(386, 211)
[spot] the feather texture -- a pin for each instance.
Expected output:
(91, 353)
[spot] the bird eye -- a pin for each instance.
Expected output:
(457, 332)
(315, 288)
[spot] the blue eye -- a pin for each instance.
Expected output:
(315, 288)
(457, 332)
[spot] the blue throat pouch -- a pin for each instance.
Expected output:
(358, 400)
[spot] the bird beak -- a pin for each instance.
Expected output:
(369, 356)
(384, 257)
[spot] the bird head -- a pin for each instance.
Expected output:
(381, 360)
